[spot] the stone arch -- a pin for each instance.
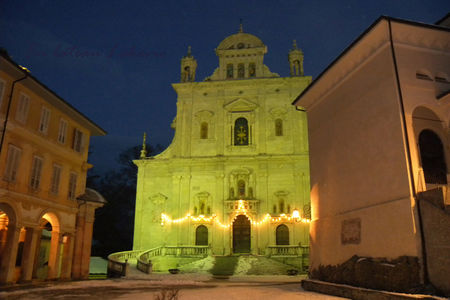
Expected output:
(49, 247)
(282, 235)
(201, 235)
(432, 157)
(429, 128)
(9, 236)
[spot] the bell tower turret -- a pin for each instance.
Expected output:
(296, 60)
(188, 67)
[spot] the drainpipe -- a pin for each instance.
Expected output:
(408, 155)
(9, 108)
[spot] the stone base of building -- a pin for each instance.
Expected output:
(398, 275)
(358, 293)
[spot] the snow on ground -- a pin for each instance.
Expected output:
(271, 292)
(190, 286)
(98, 265)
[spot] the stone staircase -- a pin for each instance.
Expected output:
(188, 261)
(237, 265)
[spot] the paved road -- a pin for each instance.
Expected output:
(150, 289)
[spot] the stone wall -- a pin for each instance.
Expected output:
(398, 275)
(436, 228)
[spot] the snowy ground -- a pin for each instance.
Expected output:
(189, 286)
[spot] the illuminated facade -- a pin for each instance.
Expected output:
(236, 176)
(378, 121)
(46, 214)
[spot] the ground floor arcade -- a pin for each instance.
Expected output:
(40, 241)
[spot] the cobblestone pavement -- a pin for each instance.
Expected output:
(137, 289)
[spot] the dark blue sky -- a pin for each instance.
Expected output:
(115, 60)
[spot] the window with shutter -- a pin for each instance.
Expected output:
(72, 185)
(56, 178)
(45, 120)
(36, 171)
(78, 141)
(12, 163)
(62, 132)
(22, 108)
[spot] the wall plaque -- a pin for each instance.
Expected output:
(351, 231)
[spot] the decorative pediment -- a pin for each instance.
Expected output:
(241, 171)
(202, 196)
(240, 105)
(204, 115)
(278, 112)
(158, 199)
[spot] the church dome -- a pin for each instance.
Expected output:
(240, 40)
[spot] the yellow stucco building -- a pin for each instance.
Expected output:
(235, 179)
(46, 213)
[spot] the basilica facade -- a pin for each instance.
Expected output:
(235, 178)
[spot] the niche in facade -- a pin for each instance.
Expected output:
(281, 204)
(202, 204)
(241, 184)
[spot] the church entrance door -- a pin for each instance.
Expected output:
(241, 235)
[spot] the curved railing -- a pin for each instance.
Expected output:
(118, 262)
(144, 264)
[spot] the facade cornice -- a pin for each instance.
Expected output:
(48, 204)
(238, 83)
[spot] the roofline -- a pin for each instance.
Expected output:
(438, 22)
(359, 38)
(25, 72)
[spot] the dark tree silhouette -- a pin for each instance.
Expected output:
(114, 222)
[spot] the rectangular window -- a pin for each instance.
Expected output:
(78, 141)
(36, 171)
(12, 163)
(72, 185)
(56, 178)
(2, 91)
(22, 108)
(62, 133)
(45, 120)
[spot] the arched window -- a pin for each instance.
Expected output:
(204, 130)
(241, 132)
(297, 67)
(282, 235)
(187, 73)
(432, 157)
(278, 127)
(201, 236)
(230, 71)
(241, 71)
(241, 188)
(251, 70)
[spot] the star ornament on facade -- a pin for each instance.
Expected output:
(241, 135)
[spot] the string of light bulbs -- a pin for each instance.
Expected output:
(241, 210)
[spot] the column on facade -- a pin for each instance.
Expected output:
(55, 251)
(9, 255)
(78, 247)
(67, 258)
(29, 254)
(83, 241)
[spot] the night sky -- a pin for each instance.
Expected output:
(115, 60)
